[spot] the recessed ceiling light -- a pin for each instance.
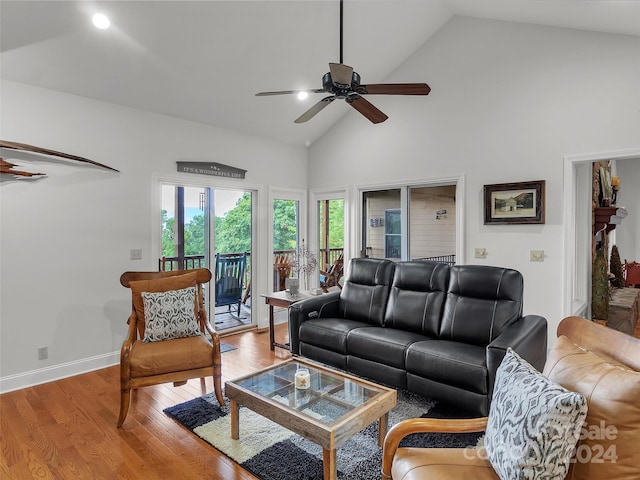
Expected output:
(302, 95)
(101, 21)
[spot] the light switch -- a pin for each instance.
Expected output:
(481, 253)
(536, 256)
(136, 254)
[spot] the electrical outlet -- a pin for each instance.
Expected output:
(481, 253)
(536, 255)
(43, 353)
(136, 254)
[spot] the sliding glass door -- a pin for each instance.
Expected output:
(201, 226)
(411, 222)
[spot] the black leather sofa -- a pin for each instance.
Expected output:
(437, 330)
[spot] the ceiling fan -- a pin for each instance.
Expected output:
(343, 83)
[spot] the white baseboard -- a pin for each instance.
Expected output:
(56, 372)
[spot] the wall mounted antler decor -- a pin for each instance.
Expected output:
(6, 168)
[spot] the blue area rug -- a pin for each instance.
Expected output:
(271, 452)
(225, 347)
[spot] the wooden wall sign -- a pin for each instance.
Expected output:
(211, 168)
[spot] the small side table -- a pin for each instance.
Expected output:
(284, 300)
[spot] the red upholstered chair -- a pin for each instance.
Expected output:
(632, 274)
(167, 353)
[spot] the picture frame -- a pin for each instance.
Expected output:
(514, 203)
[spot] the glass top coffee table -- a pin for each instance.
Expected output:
(334, 407)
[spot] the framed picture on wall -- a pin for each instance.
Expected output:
(509, 203)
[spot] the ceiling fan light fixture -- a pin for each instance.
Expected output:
(101, 21)
(303, 95)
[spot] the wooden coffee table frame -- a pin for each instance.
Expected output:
(328, 436)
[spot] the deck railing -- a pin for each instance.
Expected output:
(189, 262)
(448, 259)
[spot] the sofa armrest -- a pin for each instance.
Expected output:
(325, 305)
(527, 337)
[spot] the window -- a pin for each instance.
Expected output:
(286, 229)
(410, 222)
(331, 231)
(392, 233)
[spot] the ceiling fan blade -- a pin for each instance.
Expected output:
(287, 92)
(366, 108)
(395, 89)
(340, 73)
(309, 114)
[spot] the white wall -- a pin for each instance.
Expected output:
(66, 238)
(628, 232)
(508, 102)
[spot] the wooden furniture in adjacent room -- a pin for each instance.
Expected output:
(308, 412)
(624, 308)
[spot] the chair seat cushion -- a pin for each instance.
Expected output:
(382, 345)
(329, 333)
(442, 464)
(157, 358)
(452, 363)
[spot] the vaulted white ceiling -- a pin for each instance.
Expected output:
(205, 60)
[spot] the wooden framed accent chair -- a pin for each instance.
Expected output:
(168, 337)
(589, 364)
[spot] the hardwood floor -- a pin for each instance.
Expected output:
(67, 429)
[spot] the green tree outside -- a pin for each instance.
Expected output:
(233, 230)
(285, 225)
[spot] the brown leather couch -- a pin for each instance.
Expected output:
(600, 363)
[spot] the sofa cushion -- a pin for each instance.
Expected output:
(366, 290)
(608, 445)
(534, 423)
(382, 345)
(417, 297)
(481, 302)
(452, 363)
(329, 333)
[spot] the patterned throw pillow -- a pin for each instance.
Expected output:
(534, 423)
(169, 315)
